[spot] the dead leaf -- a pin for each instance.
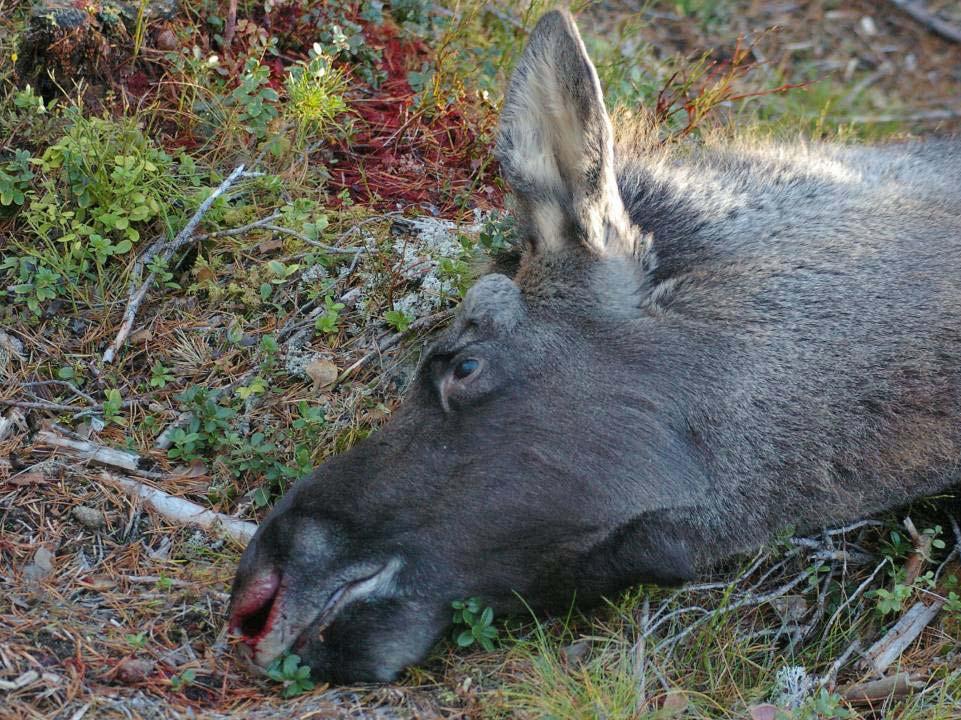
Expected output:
(13, 420)
(133, 670)
(98, 583)
(141, 336)
(674, 702)
(268, 246)
(40, 567)
(765, 711)
(323, 372)
(196, 469)
(166, 40)
(576, 653)
(89, 517)
(204, 274)
(12, 345)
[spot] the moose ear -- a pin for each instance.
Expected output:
(555, 146)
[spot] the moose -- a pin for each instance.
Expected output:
(700, 345)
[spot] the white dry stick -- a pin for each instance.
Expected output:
(183, 512)
(905, 631)
(183, 237)
(91, 451)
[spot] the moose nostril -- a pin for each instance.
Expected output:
(251, 614)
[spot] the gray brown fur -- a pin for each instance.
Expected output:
(699, 348)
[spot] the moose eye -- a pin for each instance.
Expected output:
(466, 367)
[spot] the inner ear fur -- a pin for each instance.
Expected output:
(555, 146)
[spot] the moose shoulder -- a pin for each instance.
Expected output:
(700, 346)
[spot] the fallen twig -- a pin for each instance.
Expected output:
(91, 451)
(858, 591)
(173, 582)
(827, 680)
(905, 631)
(931, 21)
(231, 232)
(922, 116)
(58, 383)
(326, 248)
(873, 691)
(640, 661)
(181, 511)
(166, 251)
(389, 342)
(750, 600)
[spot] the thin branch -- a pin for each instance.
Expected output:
(860, 589)
(60, 383)
(43, 405)
(827, 680)
(421, 324)
(173, 582)
(92, 451)
(854, 526)
(326, 248)
(183, 512)
(878, 691)
(185, 236)
(931, 21)
(230, 26)
(904, 632)
(240, 230)
(748, 601)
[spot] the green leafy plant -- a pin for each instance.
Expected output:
(328, 321)
(473, 624)
(184, 444)
(952, 602)
(37, 282)
(112, 405)
(15, 177)
(254, 99)
(457, 272)
(183, 680)
(160, 375)
(398, 319)
(497, 234)
(822, 705)
(315, 93)
(295, 677)
(97, 189)
(208, 427)
(892, 601)
(304, 216)
(310, 418)
(257, 386)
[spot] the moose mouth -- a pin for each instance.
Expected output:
(268, 628)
